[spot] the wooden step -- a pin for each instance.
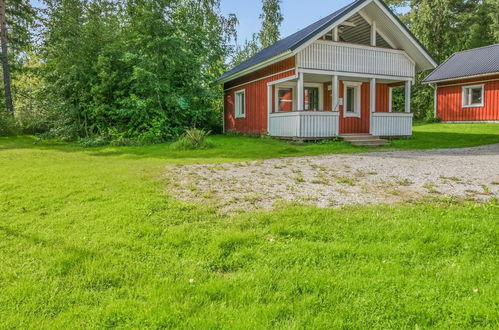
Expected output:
(364, 140)
(370, 143)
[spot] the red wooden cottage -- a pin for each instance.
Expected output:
(467, 86)
(335, 76)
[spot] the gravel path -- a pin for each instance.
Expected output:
(335, 180)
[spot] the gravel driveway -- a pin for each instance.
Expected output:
(342, 179)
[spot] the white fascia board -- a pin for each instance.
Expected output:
(462, 78)
(352, 12)
(407, 34)
(257, 66)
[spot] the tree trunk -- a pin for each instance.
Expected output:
(5, 58)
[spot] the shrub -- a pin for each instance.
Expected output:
(192, 139)
(7, 125)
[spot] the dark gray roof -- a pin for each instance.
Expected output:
(468, 63)
(293, 41)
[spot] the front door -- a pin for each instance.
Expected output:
(354, 114)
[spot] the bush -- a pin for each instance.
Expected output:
(192, 139)
(7, 125)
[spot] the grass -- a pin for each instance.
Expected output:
(89, 239)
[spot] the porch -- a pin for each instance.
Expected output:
(316, 105)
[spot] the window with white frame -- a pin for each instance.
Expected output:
(351, 99)
(473, 96)
(284, 99)
(240, 103)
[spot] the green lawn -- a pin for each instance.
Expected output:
(89, 238)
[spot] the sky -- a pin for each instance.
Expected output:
(297, 14)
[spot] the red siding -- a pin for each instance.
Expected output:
(256, 98)
(361, 125)
(382, 98)
(356, 125)
(449, 101)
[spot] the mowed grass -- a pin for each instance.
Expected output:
(89, 238)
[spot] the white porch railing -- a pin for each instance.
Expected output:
(391, 124)
(337, 56)
(304, 124)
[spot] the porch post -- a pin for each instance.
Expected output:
(300, 92)
(269, 107)
(408, 96)
(373, 34)
(335, 92)
(335, 34)
(372, 94)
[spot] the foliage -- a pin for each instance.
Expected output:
(446, 27)
(271, 21)
(90, 238)
(8, 125)
(136, 69)
(192, 139)
(269, 33)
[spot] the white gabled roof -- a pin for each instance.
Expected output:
(387, 24)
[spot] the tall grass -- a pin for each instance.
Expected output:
(192, 139)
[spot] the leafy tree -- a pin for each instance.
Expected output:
(268, 35)
(271, 21)
(135, 69)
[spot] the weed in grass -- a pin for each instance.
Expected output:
(192, 187)
(404, 182)
(346, 180)
(451, 178)
(486, 189)
(359, 174)
(431, 187)
(394, 192)
(299, 178)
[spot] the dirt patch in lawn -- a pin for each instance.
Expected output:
(336, 180)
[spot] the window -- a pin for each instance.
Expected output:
(284, 99)
(473, 96)
(351, 102)
(311, 98)
(240, 104)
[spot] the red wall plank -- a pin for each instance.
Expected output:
(361, 125)
(449, 101)
(256, 100)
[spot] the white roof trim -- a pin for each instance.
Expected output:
(408, 35)
(352, 12)
(257, 66)
(463, 78)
